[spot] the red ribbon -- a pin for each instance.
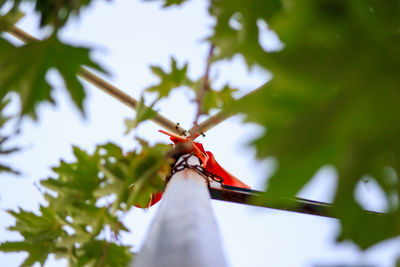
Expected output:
(207, 160)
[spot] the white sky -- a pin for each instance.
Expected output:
(128, 36)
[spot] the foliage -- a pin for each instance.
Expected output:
(143, 113)
(237, 27)
(170, 80)
(176, 78)
(55, 13)
(24, 71)
(333, 100)
(85, 204)
(8, 20)
(4, 149)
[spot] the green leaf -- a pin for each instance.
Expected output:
(24, 71)
(80, 209)
(40, 233)
(4, 149)
(217, 99)
(57, 12)
(103, 253)
(36, 253)
(334, 101)
(176, 77)
(8, 20)
(143, 113)
(9, 169)
(237, 31)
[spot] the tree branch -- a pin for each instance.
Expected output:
(107, 87)
(202, 90)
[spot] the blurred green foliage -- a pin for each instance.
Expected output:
(333, 100)
(4, 138)
(54, 13)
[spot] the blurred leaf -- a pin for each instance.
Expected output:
(57, 12)
(4, 149)
(143, 113)
(217, 99)
(24, 71)
(53, 13)
(237, 28)
(177, 77)
(8, 20)
(5, 168)
(334, 100)
(169, 80)
(102, 253)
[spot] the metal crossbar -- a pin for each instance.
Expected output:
(253, 198)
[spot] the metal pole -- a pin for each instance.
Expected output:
(184, 232)
(255, 198)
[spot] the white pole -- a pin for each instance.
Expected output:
(184, 232)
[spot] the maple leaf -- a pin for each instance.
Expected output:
(79, 208)
(176, 77)
(237, 31)
(143, 113)
(24, 71)
(103, 253)
(40, 233)
(334, 101)
(169, 80)
(217, 98)
(136, 176)
(4, 149)
(57, 12)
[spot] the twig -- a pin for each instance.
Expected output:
(107, 87)
(205, 87)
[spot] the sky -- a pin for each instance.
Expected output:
(128, 36)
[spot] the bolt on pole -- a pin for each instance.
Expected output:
(184, 231)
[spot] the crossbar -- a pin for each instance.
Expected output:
(253, 198)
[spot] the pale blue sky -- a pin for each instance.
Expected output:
(128, 36)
